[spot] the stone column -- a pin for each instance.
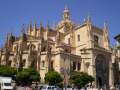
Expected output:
(93, 68)
(82, 66)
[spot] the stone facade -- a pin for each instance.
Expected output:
(116, 60)
(66, 48)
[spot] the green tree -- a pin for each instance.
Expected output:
(34, 75)
(90, 78)
(27, 76)
(53, 78)
(7, 71)
(81, 79)
(23, 78)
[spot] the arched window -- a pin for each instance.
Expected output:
(15, 48)
(51, 64)
(78, 66)
(68, 40)
(96, 39)
(33, 47)
(49, 48)
(74, 65)
(87, 66)
(24, 62)
(9, 63)
(78, 37)
(66, 50)
(43, 63)
(33, 63)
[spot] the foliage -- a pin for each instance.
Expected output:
(7, 71)
(81, 79)
(34, 75)
(53, 78)
(22, 78)
(27, 76)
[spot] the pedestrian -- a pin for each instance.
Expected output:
(28, 88)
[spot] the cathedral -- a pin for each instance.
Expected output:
(66, 48)
(116, 60)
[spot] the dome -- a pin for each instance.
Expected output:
(65, 20)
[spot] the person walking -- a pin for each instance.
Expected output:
(28, 88)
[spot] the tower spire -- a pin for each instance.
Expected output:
(105, 36)
(41, 25)
(47, 27)
(46, 32)
(88, 20)
(35, 29)
(22, 32)
(66, 13)
(29, 30)
(40, 30)
(30, 27)
(105, 26)
(35, 26)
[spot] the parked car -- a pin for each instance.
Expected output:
(50, 88)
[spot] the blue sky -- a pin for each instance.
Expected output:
(14, 13)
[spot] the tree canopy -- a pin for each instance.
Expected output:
(81, 79)
(53, 78)
(7, 71)
(27, 76)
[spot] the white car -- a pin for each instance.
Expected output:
(6, 83)
(50, 88)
